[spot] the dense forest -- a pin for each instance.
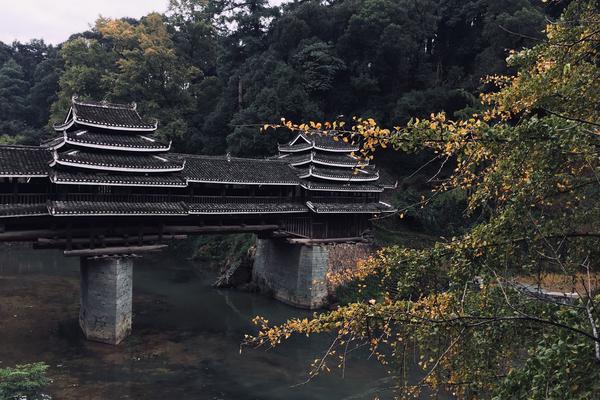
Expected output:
(213, 70)
(502, 300)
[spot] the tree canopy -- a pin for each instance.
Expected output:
(475, 307)
(212, 70)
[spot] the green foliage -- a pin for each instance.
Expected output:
(13, 91)
(212, 70)
(527, 167)
(222, 249)
(23, 382)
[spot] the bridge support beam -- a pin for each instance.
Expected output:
(106, 298)
(294, 274)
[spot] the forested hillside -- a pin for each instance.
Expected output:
(213, 70)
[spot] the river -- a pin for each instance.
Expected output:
(185, 342)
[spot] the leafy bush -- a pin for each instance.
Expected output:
(23, 382)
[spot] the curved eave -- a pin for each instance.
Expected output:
(75, 120)
(244, 183)
(341, 165)
(332, 150)
(288, 149)
(313, 159)
(353, 178)
(54, 144)
(119, 148)
(341, 189)
(116, 169)
(394, 186)
(300, 163)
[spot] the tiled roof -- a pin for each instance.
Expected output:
(303, 146)
(97, 208)
(106, 115)
(95, 178)
(118, 115)
(22, 210)
(340, 174)
(296, 159)
(133, 162)
(354, 208)
(319, 141)
(328, 142)
(116, 141)
(237, 171)
(343, 160)
(247, 208)
(24, 161)
(387, 181)
(341, 187)
(322, 158)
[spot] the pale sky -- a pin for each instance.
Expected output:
(55, 20)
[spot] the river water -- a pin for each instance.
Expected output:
(185, 342)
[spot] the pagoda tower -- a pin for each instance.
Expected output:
(335, 180)
(110, 144)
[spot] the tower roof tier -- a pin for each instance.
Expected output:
(322, 186)
(321, 158)
(367, 174)
(318, 141)
(106, 116)
(122, 162)
(109, 141)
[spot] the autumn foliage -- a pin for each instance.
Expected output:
(473, 307)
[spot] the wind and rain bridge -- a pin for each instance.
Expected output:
(106, 189)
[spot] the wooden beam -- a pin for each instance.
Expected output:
(109, 240)
(220, 229)
(310, 242)
(33, 235)
(114, 251)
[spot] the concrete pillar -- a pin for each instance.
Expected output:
(106, 293)
(294, 274)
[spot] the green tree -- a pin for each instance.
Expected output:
(131, 61)
(472, 307)
(13, 92)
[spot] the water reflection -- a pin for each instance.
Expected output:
(185, 343)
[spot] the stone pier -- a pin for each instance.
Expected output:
(106, 297)
(294, 274)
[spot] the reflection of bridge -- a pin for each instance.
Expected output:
(105, 189)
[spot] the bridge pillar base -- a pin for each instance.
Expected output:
(106, 298)
(294, 274)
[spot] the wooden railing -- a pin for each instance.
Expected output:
(23, 198)
(38, 198)
(301, 226)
